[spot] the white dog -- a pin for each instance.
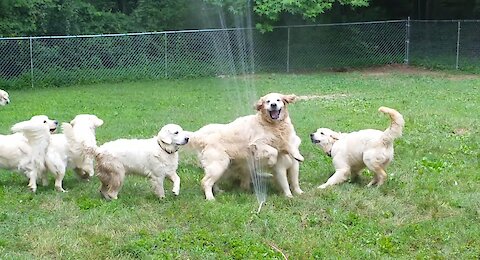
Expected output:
(4, 99)
(266, 136)
(154, 158)
(25, 150)
(66, 150)
(351, 152)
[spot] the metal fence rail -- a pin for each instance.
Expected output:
(69, 60)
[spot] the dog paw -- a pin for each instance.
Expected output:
(323, 186)
(299, 157)
(60, 189)
(298, 191)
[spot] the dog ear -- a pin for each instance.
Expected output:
(335, 136)
(259, 104)
(289, 98)
(97, 121)
(165, 137)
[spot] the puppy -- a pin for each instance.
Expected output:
(351, 152)
(267, 135)
(154, 158)
(25, 150)
(4, 99)
(66, 150)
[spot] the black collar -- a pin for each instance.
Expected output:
(329, 153)
(167, 151)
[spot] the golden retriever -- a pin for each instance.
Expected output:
(4, 99)
(352, 152)
(65, 150)
(25, 150)
(266, 136)
(153, 158)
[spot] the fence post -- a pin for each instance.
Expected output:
(458, 44)
(407, 42)
(288, 49)
(31, 59)
(165, 54)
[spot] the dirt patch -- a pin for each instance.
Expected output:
(327, 97)
(405, 69)
(460, 131)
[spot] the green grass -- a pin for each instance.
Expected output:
(428, 208)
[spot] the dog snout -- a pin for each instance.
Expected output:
(273, 105)
(186, 139)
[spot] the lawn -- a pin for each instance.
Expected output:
(428, 208)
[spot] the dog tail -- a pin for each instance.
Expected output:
(34, 132)
(38, 136)
(396, 126)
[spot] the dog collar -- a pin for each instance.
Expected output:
(329, 153)
(167, 151)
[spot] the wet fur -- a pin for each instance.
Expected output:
(257, 136)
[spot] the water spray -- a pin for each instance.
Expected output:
(258, 175)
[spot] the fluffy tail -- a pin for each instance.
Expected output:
(34, 132)
(396, 126)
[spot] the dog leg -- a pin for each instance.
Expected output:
(293, 172)
(379, 177)
(59, 180)
(32, 181)
(340, 175)
(213, 170)
(157, 183)
(176, 183)
(281, 178)
(44, 178)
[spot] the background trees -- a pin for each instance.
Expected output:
(71, 17)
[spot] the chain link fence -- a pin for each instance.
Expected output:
(70, 60)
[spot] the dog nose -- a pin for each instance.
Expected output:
(186, 139)
(273, 105)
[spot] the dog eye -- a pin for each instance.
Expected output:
(321, 133)
(278, 100)
(176, 133)
(45, 121)
(268, 101)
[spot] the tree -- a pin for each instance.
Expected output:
(270, 11)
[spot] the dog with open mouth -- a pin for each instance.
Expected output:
(4, 98)
(267, 137)
(25, 150)
(352, 152)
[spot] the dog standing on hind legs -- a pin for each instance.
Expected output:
(352, 152)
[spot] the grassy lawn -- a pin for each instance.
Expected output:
(428, 208)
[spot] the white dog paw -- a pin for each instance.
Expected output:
(298, 191)
(299, 158)
(60, 189)
(323, 186)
